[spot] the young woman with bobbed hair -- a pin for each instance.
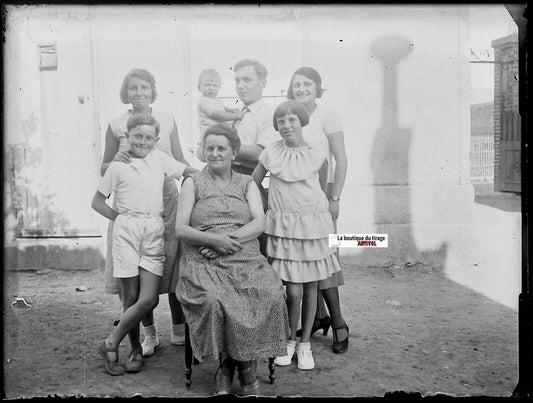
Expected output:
(325, 129)
(138, 90)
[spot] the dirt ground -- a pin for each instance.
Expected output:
(411, 330)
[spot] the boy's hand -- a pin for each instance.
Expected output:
(208, 252)
(123, 156)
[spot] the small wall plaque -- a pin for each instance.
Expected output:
(48, 56)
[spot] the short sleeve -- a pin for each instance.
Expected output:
(172, 167)
(108, 182)
(266, 134)
(210, 105)
(332, 122)
(118, 128)
(244, 183)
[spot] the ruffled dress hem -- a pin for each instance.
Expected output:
(304, 272)
(298, 225)
(298, 249)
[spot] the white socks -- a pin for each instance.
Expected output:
(150, 330)
(305, 356)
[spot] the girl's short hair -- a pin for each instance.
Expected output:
(209, 73)
(260, 70)
(289, 107)
(138, 119)
(143, 75)
(220, 129)
(311, 74)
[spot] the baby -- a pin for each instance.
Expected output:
(211, 110)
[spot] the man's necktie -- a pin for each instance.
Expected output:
(245, 110)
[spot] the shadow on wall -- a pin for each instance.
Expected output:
(31, 200)
(36, 232)
(390, 167)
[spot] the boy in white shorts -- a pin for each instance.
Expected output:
(138, 248)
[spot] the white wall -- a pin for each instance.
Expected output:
(409, 135)
(50, 113)
(284, 40)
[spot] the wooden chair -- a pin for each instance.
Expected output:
(189, 359)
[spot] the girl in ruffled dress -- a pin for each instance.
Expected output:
(298, 224)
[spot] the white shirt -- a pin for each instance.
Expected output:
(323, 122)
(256, 126)
(138, 186)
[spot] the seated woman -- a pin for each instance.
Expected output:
(232, 298)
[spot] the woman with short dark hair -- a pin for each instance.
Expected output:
(326, 131)
(138, 89)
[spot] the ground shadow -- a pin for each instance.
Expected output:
(501, 201)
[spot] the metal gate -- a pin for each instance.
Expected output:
(482, 158)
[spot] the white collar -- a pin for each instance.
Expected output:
(148, 160)
(254, 107)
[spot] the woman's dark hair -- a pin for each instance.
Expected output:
(311, 74)
(143, 75)
(219, 129)
(289, 107)
(138, 119)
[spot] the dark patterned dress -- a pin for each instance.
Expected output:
(235, 303)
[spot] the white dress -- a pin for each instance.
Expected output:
(323, 122)
(298, 221)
